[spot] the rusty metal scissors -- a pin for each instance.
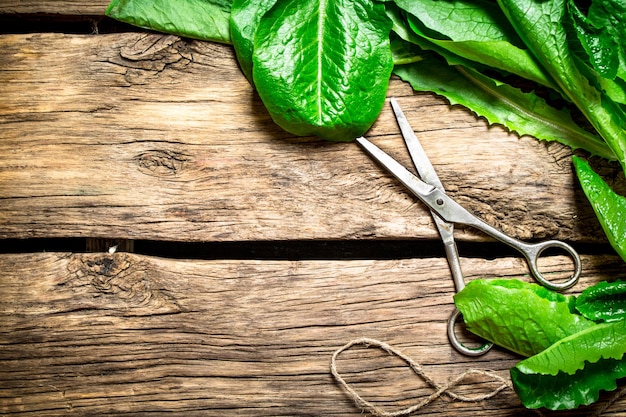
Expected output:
(446, 212)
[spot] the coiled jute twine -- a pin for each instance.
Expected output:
(439, 389)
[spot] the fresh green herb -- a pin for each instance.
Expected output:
(610, 208)
(605, 301)
(574, 370)
(322, 67)
(521, 112)
(199, 19)
(245, 16)
(571, 359)
(476, 31)
(524, 318)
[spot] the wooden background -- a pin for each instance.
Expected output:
(246, 256)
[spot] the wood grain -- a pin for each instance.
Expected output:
(147, 136)
(54, 7)
(138, 136)
(101, 334)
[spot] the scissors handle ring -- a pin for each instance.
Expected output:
(456, 343)
(533, 252)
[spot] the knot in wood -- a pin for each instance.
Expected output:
(161, 163)
(120, 281)
(155, 51)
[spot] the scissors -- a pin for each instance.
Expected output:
(446, 212)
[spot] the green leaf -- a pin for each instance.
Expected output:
(599, 53)
(524, 318)
(601, 48)
(611, 15)
(198, 19)
(404, 52)
(574, 370)
(322, 67)
(403, 31)
(462, 20)
(475, 30)
(541, 24)
(245, 16)
(610, 208)
(524, 113)
(605, 301)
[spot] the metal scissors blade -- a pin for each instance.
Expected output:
(427, 173)
(422, 164)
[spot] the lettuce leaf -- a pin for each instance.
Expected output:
(499, 103)
(601, 34)
(322, 67)
(198, 19)
(245, 16)
(574, 370)
(475, 30)
(522, 317)
(610, 207)
(605, 301)
(600, 46)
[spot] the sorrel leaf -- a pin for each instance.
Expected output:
(610, 207)
(499, 103)
(605, 301)
(477, 31)
(524, 318)
(574, 370)
(245, 16)
(198, 19)
(322, 67)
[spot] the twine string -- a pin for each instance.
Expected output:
(439, 390)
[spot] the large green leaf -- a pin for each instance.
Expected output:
(199, 19)
(605, 301)
(610, 207)
(322, 67)
(541, 24)
(524, 113)
(610, 16)
(475, 30)
(601, 48)
(524, 318)
(245, 16)
(574, 370)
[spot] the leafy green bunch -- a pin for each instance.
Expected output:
(475, 54)
(575, 346)
(322, 67)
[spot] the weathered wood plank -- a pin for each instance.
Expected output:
(101, 334)
(137, 136)
(55, 7)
